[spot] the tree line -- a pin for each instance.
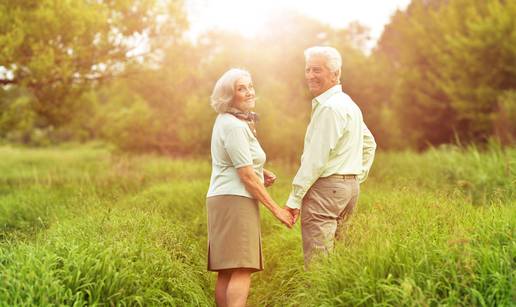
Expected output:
(443, 71)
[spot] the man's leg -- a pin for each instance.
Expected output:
(344, 217)
(317, 231)
(320, 211)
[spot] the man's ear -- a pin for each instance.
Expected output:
(336, 75)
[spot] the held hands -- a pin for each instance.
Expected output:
(284, 216)
(294, 213)
(269, 178)
(287, 216)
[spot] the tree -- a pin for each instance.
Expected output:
(451, 61)
(59, 48)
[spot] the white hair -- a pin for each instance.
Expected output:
(224, 89)
(332, 56)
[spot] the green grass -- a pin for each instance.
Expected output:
(85, 226)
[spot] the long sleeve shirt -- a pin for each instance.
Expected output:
(337, 141)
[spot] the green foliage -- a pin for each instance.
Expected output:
(481, 177)
(132, 254)
(125, 120)
(58, 48)
(122, 71)
(131, 257)
(505, 117)
(17, 119)
(452, 61)
(84, 226)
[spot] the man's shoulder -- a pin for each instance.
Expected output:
(341, 103)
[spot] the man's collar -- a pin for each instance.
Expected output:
(337, 88)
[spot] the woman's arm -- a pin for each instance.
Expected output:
(257, 190)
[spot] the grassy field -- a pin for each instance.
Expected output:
(84, 226)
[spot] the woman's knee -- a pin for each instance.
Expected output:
(241, 274)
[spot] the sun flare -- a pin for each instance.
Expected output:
(249, 17)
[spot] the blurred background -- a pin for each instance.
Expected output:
(138, 73)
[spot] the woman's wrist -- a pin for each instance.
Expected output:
(276, 209)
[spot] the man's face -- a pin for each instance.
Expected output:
(318, 77)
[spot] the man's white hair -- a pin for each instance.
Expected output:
(332, 56)
(224, 89)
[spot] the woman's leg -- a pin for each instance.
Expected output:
(221, 287)
(238, 288)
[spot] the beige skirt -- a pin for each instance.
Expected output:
(234, 239)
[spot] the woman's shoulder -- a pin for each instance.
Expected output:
(229, 122)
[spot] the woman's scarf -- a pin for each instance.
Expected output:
(250, 118)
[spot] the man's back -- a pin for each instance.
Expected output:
(336, 132)
(338, 153)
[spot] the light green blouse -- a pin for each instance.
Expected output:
(233, 145)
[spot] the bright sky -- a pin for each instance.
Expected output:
(248, 16)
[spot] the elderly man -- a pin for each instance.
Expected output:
(338, 153)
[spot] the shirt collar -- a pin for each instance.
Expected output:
(337, 88)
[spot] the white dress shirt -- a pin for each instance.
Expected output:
(337, 141)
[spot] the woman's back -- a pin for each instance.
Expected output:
(233, 145)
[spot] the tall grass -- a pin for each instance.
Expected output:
(481, 177)
(117, 257)
(84, 226)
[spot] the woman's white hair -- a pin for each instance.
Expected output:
(332, 56)
(224, 89)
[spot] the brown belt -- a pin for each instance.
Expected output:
(342, 176)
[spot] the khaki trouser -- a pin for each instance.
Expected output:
(326, 208)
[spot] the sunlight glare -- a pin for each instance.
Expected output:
(248, 17)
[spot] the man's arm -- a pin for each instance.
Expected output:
(325, 130)
(369, 148)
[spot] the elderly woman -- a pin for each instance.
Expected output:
(236, 187)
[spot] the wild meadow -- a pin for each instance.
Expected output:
(105, 129)
(86, 225)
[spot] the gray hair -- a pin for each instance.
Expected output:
(224, 89)
(332, 56)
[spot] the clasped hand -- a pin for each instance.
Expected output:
(268, 178)
(287, 216)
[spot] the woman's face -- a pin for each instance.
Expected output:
(244, 98)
